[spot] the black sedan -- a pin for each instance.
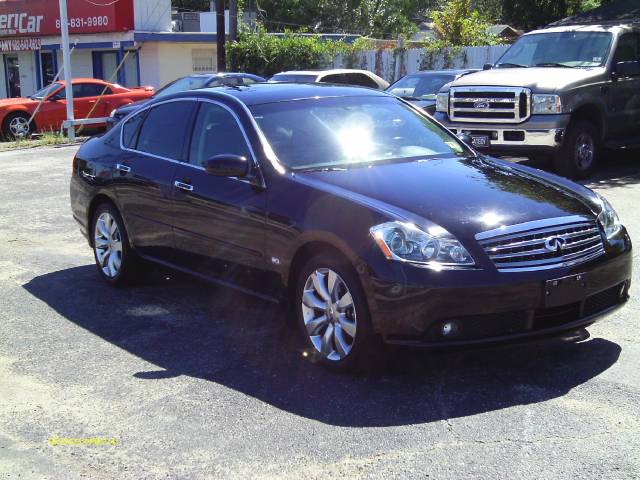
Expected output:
(421, 88)
(370, 219)
(190, 82)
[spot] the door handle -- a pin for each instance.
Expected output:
(123, 168)
(183, 186)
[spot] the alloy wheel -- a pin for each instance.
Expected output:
(19, 127)
(585, 151)
(329, 314)
(108, 245)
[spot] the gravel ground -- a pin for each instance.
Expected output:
(188, 380)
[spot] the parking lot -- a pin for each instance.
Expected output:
(190, 380)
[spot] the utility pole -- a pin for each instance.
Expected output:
(68, 77)
(233, 20)
(220, 36)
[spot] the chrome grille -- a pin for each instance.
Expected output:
(522, 248)
(489, 104)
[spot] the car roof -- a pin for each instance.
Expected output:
(324, 72)
(83, 80)
(449, 72)
(582, 28)
(260, 93)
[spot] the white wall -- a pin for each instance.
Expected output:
(28, 85)
(152, 15)
(81, 63)
(163, 62)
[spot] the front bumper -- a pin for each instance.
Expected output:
(412, 306)
(540, 133)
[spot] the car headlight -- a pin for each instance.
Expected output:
(546, 104)
(406, 242)
(608, 218)
(442, 102)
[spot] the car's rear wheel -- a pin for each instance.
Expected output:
(16, 125)
(580, 153)
(332, 313)
(115, 259)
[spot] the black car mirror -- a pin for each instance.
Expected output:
(628, 69)
(487, 66)
(227, 165)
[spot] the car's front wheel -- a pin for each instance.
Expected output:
(16, 125)
(580, 153)
(116, 261)
(333, 314)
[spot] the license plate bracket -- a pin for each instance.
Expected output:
(565, 290)
(480, 141)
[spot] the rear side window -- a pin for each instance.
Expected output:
(216, 132)
(164, 129)
(83, 90)
(360, 79)
(334, 78)
(628, 49)
(130, 130)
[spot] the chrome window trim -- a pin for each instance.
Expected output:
(533, 225)
(186, 163)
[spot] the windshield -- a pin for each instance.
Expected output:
(339, 132)
(182, 85)
(293, 78)
(46, 91)
(420, 87)
(560, 49)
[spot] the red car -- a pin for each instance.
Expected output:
(16, 112)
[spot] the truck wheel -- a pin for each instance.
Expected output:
(578, 157)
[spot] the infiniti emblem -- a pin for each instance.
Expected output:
(555, 244)
(481, 105)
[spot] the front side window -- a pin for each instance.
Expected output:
(164, 129)
(216, 132)
(84, 90)
(339, 132)
(420, 87)
(628, 49)
(46, 91)
(558, 49)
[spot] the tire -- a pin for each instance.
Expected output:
(116, 261)
(14, 123)
(578, 158)
(344, 340)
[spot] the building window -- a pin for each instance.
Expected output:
(203, 60)
(105, 64)
(48, 68)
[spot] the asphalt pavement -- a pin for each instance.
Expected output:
(181, 379)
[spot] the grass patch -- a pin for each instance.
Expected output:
(45, 139)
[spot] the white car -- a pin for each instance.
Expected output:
(361, 78)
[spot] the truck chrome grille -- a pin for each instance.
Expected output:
(543, 248)
(489, 104)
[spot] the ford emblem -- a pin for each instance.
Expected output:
(482, 105)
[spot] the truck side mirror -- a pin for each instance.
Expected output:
(487, 66)
(627, 69)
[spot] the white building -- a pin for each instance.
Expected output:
(136, 33)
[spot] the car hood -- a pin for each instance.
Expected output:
(541, 79)
(464, 195)
(7, 102)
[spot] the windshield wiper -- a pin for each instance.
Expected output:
(553, 64)
(512, 65)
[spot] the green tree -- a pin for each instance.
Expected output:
(459, 24)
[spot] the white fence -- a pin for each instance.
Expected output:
(391, 64)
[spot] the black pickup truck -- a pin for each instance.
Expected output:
(566, 92)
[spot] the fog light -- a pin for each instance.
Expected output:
(622, 289)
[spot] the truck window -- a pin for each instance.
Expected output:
(628, 49)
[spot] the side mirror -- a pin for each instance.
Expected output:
(227, 165)
(627, 69)
(487, 66)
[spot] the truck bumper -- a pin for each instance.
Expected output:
(539, 134)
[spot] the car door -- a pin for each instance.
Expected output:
(624, 93)
(152, 144)
(219, 221)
